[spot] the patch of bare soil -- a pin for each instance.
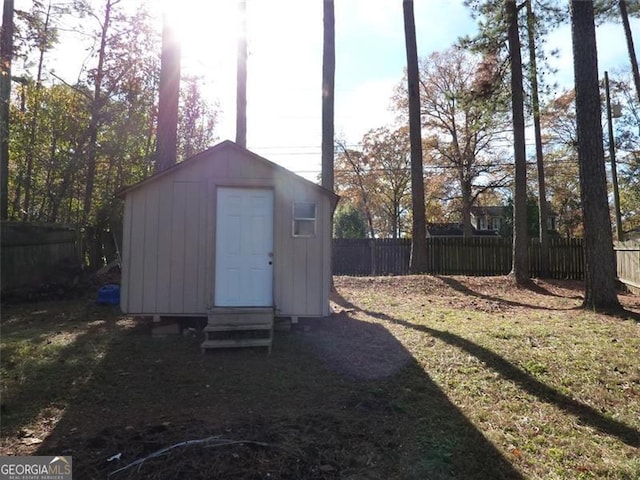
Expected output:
(356, 349)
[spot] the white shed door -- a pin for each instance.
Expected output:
(244, 248)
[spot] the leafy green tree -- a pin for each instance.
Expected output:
(348, 222)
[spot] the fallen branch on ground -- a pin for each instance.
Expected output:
(210, 441)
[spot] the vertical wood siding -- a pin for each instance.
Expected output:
(169, 244)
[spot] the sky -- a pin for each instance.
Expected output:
(285, 64)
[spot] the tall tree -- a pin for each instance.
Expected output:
(98, 98)
(463, 125)
(377, 180)
(624, 14)
(328, 81)
(627, 135)
(418, 259)
(353, 180)
(558, 122)
(6, 55)
(241, 77)
(543, 231)
(43, 38)
(196, 120)
(520, 266)
(600, 270)
(168, 98)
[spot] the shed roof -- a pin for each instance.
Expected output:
(210, 154)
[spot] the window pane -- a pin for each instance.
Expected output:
(304, 228)
(304, 210)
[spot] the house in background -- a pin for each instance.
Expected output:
(453, 230)
(492, 219)
(487, 218)
(230, 236)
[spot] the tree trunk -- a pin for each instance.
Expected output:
(241, 77)
(600, 270)
(612, 158)
(168, 99)
(632, 51)
(33, 127)
(328, 81)
(94, 122)
(543, 229)
(6, 55)
(520, 266)
(418, 259)
(467, 228)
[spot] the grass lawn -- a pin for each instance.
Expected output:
(414, 377)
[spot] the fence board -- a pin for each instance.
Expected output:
(628, 264)
(477, 256)
(31, 252)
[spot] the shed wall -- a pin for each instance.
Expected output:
(169, 239)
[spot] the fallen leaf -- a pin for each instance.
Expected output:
(30, 441)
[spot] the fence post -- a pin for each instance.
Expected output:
(372, 253)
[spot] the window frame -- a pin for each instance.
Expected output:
(298, 220)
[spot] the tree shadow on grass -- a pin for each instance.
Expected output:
(621, 312)
(460, 287)
(339, 398)
(586, 414)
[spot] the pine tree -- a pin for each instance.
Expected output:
(600, 270)
(418, 260)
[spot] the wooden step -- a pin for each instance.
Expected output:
(239, 310)
(227, 327)
(235, 343)
(240, 316)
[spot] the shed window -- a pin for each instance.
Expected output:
(304, 219)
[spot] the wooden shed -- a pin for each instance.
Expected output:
(230, 236)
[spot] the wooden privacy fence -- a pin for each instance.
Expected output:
(453, 256)
(628, 264)
(32, 252)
